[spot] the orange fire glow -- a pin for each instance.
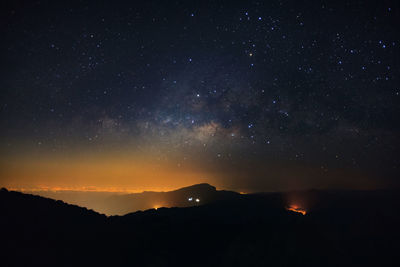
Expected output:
(298, 209)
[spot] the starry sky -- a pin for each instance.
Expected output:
(245, 95)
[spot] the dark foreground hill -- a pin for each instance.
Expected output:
(341, 228)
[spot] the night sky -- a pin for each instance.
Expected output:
(245, 95)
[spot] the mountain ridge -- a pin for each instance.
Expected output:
(253, 230)
(120, 204)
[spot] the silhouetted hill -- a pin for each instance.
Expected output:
(41, 231)
(120, 204)
(183, 197)
(341, 228)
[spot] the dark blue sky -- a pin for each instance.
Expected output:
(231, 84)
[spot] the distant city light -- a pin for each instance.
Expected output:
(197, 200)
(190, 199)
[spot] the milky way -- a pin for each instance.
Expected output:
(267, 95)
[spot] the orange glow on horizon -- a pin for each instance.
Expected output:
(89, 189)
(297, 209)
(156, 207)
(113, 172)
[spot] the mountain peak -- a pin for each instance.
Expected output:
(196, 187)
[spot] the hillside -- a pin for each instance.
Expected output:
(340, 228)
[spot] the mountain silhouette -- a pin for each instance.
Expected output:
(340, 228)
(120, 204)
(194, 195)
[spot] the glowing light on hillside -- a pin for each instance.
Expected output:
(297, 209)
(197, 200)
